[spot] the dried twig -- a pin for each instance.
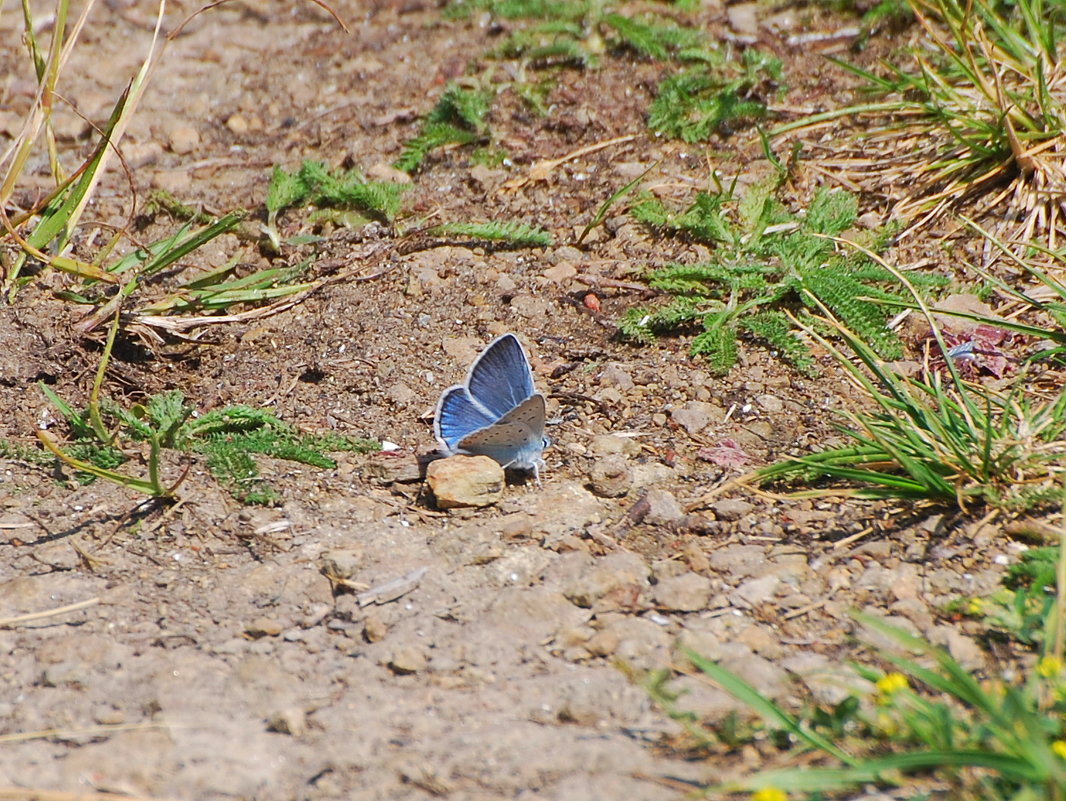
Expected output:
(391, 590)
(32, 794)
(59, 610)
(542, 169)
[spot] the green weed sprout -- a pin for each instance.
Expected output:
(459, 118)
(228, 438)
(766, 263)
(511, 234)
(315, 183)
(715, 95)
(556, 33)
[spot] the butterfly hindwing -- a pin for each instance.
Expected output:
(516, 440)
(531, 412)
(500, 378)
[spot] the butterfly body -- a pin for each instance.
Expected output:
(496, 412)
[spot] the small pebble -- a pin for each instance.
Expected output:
(688, 592)
(408, 659)
(732, 509)
(603, 643)
(183, 139)
(341, 563)
(663, 508)
(465, 481)
(516, 526)
(695, 416)
(291, 721)
(608, 444)
(754, 592)
(560, 273)
(617, 580)
(615, 376)
(610, 477)
(770, 404)
(383, 171)
(264, 627)
(374, 628)
(238, 124)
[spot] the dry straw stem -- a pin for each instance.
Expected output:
(59, 610)
(88, 731)
(31, 794)
(542, 170)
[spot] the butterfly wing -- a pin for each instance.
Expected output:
(515, 440)
(458, 416)
(500, 379)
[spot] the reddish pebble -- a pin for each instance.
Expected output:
(592, 302)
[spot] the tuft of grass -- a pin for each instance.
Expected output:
(715, 96)
(511, 234)
(315, 183)
(979, 113)
(766, 265)
(201, 299)
(40, 239)
(940, 439)
(114, 280)
(459, 118)
(228, 438)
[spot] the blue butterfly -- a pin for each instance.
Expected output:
(496, 412)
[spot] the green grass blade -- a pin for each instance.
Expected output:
(60, 216)
(147, 487)
(748, 695)
(509, 233)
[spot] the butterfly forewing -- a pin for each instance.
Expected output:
(500, 378)
(458, 416)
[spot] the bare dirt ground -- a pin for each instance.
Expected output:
(216, 661)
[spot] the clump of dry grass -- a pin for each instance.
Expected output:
(977, 119)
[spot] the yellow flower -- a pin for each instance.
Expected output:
(1059, 747)
(769, 794)
(1049, 666)
(975, 606)
(889, 685)
(887, 723)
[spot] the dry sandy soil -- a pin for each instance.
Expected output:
(215, 659)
